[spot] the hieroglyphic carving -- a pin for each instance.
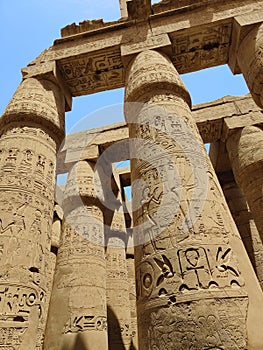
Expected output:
(245, 224)
(80, 278)
(31, 128)
(149, 43)
(131, 276)
(11, 337)
(210, 132)
(244, 149)
(82, 323)
(118, 303)
(250, 61)
(25, 217)
(188, 326)
(202, 49)
(89, 74)
(42, 98)
(189, 269)
(182, 227)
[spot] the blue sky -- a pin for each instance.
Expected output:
(27, 27)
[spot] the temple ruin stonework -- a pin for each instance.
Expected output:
(181, 266)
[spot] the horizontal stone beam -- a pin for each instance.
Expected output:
(89, 144)
(92, 55)
(215, 121)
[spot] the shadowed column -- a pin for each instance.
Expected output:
(194, 279)
(118, 303)
(250, 61)
(246, 226)
(245, 152)
(32, 128)
(131, 275)
(78, 317)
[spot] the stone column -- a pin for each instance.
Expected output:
(250, 61)
(194, 279)
(50, 269)
(78, 317)
(245, 152)
(118, 303)
(246, 226)
(132, 290)
(32, 128)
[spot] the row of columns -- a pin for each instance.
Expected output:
(195, 285)
(91, 284)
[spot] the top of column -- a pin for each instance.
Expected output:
(151, 72)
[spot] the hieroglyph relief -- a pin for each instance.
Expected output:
(27, 183)
(88, 74)
(203, 48)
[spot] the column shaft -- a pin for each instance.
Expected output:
(192, 272)
(118, 304)
(32, 128)
(78, 317)
(245, 152)
(250, 61)
(246, 226)
(131, 275)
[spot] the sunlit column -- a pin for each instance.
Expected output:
(245, 152)
(78, 316)
(32, 128)
(194, 280)
(250, 61)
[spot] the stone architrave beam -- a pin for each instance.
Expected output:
(215, 120)
(92, 55)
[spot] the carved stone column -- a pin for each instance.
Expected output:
(131, 275)
(250, 61)
(245, 152)
(192, 271)
(32, 128)
(246, 226)
(78, 317)
(118, 303)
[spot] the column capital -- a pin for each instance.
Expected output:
(241, 27)
(49, 70)
(39, 102)
(235, 123)
(159, 75)
(160, 42)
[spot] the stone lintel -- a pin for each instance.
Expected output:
(237, 112)
(151, 42)
(240, 121)
(241, 26)
(215, 120)
(89, 144)
(125, 177)
(93, 60)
